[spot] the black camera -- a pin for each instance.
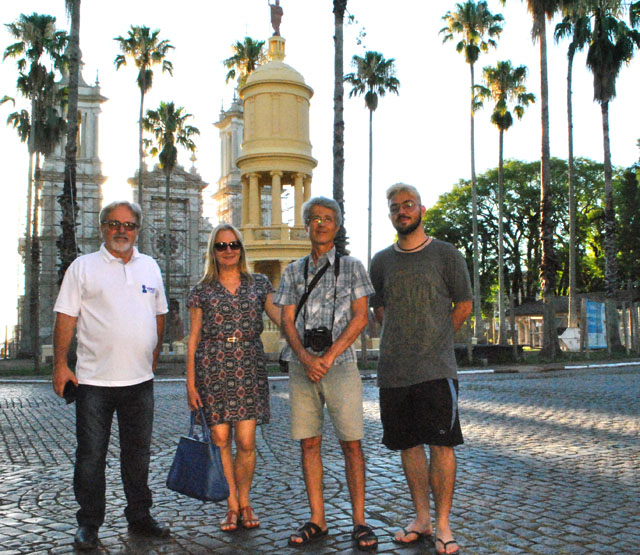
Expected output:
(318, 339)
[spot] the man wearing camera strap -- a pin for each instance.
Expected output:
(321, 318)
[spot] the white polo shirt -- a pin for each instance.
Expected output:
(116, 305)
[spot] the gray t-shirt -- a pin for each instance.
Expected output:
(417, 291)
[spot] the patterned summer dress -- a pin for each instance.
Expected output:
(230, 370)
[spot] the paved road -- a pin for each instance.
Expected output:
(550, 465)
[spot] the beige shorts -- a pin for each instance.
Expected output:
(340, 391)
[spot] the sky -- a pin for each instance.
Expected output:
(421, 136)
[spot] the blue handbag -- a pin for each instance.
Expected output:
(196, 470)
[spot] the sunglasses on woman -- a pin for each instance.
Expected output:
(222, 246)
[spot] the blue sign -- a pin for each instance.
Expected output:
(596, 325)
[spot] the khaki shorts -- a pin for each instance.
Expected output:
(340, 390)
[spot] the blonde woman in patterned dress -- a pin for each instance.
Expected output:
(226, 370)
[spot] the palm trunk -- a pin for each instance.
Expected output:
(67, 242)
(339, 7)
(502, 330)
(141, 245)
(610, 242)
(573, 308)
(370, 188)
(548, 262)
(26, 345)
(34, 306)
(363, 341)
(478, 328)
(167, 238)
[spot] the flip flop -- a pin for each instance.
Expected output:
(308, 533)
(445, 544)
(362, 533)
(419, 537)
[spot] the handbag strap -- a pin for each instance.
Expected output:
(206, 434)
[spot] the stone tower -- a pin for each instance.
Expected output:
(89, 180)
(188, 240)
(276, 154)
(228, 196)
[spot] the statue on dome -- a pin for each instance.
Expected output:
(276, 17)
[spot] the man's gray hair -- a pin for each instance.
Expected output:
(321, 201)
(403, 188)
(133, 206)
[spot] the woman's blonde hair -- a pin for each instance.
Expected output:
(211, 270)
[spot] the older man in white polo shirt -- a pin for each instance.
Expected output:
(115, 299)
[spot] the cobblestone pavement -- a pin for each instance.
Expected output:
(550, 465)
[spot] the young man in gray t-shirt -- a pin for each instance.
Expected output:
(423, 295)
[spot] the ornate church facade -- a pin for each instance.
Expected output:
(189, 229)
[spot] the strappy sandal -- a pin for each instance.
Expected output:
(362, 534)
(248, 517)
(308, 532)
(230, 522)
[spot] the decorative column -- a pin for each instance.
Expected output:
(245, 203)
(254, 199)
(298, 199)
(276, 198)
(307, 188)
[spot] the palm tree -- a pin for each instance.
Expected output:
(247, 56)
(505, 85)
(575, 26)
(66, 242)
(146, 49)
(374, 77)
(339, 9)
(41, 127)
(476, 26)
(540, 11)
(611, 45)
(168, 126)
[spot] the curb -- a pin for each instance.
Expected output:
(369, 376)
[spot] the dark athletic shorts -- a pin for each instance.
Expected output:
(421, 414)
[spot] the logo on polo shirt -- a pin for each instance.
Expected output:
(148, 289)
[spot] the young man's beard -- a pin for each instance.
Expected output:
(409, 229)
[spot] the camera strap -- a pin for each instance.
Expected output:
(314, 282)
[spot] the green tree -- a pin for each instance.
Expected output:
(67, 244)
(540, 10)
(247, 56)
(576, 27)
(373, 78)
(145, 49)
(339, 8)
(37, 43)
(505, 85)
(477, 28)
(448, 219)
(169, 127)
(611, 46)
(627, 205)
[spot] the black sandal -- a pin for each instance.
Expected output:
(445, 544)
(362, 533)
(308, 532)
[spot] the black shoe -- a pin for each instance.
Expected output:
(150, 527)
(86, 538)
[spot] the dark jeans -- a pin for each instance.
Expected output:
(95, 407)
